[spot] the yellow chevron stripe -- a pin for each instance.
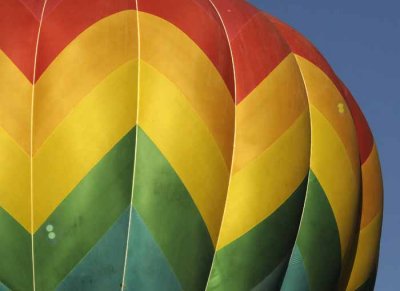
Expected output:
(372, 188)
(188, 67)
(170, 121)
(85, 62)
(83, 138)
(367, 253)
(14, 180)
(324, 95)
(263, 185)
(268, 111)
(332, 166)
(15, 102)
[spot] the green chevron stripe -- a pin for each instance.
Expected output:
(171, 216)
(102, 268)
(273, 280)
(85, 215)
(296, 277)
(15, 254)
(148, 268)
(247, 261)
(318, 239)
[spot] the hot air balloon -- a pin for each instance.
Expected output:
(178, 145)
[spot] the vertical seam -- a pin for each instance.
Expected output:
(234, 139)
(136, 146)
(31, 146)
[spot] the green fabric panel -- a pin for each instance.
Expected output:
(85, 215)
(102, 268)
(147, 268)
(296, 276)
(15, 254)
(318, 239)
(245, 262)
(273, 280)
(171, 216)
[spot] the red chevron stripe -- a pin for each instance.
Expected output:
(256, 45)
(201, 23)
(63, 21)
(301, 46)
(20, 27)
(73, 16)
(35, 6)
(68, 20)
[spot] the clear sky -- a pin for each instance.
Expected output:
(361, 41)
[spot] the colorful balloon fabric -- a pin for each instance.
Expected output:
(178, 145)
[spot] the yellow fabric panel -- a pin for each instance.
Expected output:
(332, 166)
(324, 95)
(14, 180)
(187, 66)
(84, 63)
(268, 111)
(99, 121)
(367, 253)
(182, 137)
(257, 190)
(372, 188)
(15, 102)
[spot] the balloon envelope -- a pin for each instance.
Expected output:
(178, 145)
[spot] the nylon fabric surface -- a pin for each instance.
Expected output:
(178, 145)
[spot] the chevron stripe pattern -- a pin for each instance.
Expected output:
(178, 145)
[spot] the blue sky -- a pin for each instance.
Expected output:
(361, 41)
